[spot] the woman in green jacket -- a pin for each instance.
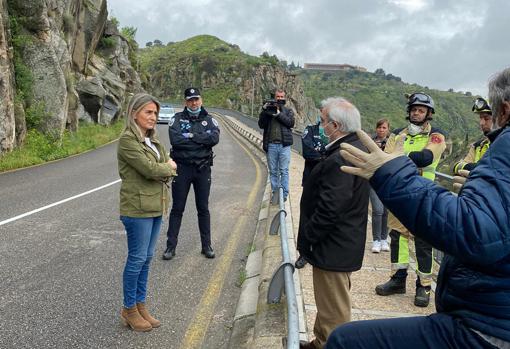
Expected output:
(145, 169)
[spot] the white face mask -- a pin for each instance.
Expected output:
(414, 129)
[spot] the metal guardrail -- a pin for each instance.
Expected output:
(282, 279)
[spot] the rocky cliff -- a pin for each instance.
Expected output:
(61, 61)
(226, 76)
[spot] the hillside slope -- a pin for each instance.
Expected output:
(231, 78)
(382, 96)
(226, 76)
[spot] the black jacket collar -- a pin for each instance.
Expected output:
(336, 145)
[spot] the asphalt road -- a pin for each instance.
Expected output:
(61, 268)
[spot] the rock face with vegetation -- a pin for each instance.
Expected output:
(69, 64)
(226, 76)
(7, 121)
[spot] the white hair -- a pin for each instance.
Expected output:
(344, 112)
(499, 91)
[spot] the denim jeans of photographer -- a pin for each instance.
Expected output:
(142, 236)
(278, 160)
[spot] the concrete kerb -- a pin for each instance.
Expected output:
(256, 323)
(243, 326)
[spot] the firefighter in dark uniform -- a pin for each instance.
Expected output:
(477, 149)
(193, 133)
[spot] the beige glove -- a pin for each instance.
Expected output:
(365, 164)
(458, 181)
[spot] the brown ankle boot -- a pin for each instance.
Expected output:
(132, 318)
(145, 314)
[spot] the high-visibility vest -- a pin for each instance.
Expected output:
(417, 143)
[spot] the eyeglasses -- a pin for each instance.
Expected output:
(481, 105)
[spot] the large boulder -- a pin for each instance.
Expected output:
(91, 94)
(49, 84)
(91, 17)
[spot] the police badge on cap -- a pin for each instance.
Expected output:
(191, 92)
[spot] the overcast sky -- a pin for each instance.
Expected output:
(440, 44)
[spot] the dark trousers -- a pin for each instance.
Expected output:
(188, 174)
(422, 332)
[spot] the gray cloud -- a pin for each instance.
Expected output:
(439, 44)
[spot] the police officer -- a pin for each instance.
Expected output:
(424, 145)
(477, 149)
(193, 133)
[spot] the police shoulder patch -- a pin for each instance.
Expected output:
(305, 132)
(204, 123)
(215, 123)
(171, 122)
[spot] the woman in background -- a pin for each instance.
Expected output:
(379, 212)
(144, 168)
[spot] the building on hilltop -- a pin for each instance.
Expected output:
(323, 66)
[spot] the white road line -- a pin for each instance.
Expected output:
(57, 203)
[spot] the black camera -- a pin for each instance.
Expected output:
(271, 106)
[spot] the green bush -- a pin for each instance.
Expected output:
(22, 74)
(35, 114)
(40, 148)
(107, 42)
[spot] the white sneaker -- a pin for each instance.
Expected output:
(385, 246)
(376, 246)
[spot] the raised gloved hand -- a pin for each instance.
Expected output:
(458, 181)
(365, 164)
(187, 135)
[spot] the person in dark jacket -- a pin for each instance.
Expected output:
(277, 122)
(473, 285)
(193, 133)
(333, 221)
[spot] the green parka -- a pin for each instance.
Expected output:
(144, 190)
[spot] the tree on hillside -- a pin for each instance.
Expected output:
(379, 72)
(114, 21)
(158, 42)
(148, 44)
(129, 33)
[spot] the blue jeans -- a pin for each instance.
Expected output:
(278, 159)
(142, 235)
(379, 217)
(421, 332)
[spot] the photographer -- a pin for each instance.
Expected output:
(277, 121)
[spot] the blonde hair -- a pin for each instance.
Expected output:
(136, 103)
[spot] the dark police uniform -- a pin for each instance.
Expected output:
(192, 139)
